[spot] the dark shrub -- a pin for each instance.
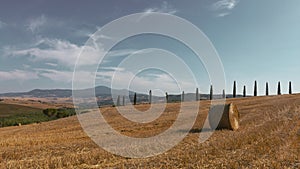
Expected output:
(50, 112)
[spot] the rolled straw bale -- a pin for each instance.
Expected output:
(227, 114)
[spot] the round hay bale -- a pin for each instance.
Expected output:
(224, 117)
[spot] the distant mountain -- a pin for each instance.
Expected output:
(106, 95)
(62, 93)
(41, 93)
(100, 91)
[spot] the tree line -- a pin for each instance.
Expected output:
(211, 95)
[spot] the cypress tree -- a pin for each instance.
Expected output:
(118, 100)
(224, 95)
(255, 88)
(234, 90)
(211, 92)
(267, 89)
(167, 97)
(244, 91)
(279, 89)
(182, 97)
(150, 97)
(123, 100)
(290, 88)
(197, 94)
(134, 99)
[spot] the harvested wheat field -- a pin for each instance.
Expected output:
(268, 137)
(41, 103)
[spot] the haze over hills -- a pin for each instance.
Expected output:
(60, 93)
(104, 93)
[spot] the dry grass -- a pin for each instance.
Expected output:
(268, 137)
(7, 110)
(40, 103)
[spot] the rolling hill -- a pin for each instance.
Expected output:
(44, 93)
(100, 91)
(268, 137)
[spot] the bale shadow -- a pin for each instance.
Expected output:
(200, 130)
(196, 130)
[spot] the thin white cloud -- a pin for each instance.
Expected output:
(67, 76)
(34, 25)
(121, 52)
(223, 7)
(2, 24)
(55, 75)
(225, 4)
(95, 37)
(64, 52)
(18, 75)
(119, 79)
(223, 14)
(112, 68)
(52, 64)
(164, 8)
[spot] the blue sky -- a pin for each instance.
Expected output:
(256, 40)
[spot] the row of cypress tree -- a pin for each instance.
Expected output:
(211, 93)
(267, 89)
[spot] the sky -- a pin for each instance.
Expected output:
(256, 40)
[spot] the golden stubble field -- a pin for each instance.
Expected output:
(268, 137)
(40, 103)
